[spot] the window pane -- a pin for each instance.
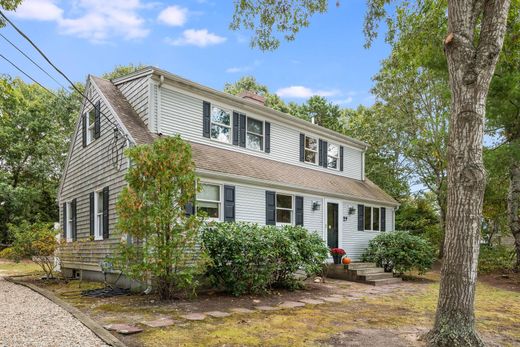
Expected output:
(254, 142)
(255, 126)
(91, 117)
(210, 208)
(220, 133)
(368, 218)
(220, 116)
(100, 202)
(333, 150)
(310, 157)
(376, 219)
(283, 216)
(284, 201)
(332, 163)
(311, 143)
(209, 192)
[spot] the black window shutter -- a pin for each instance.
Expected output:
(92, 223)
(320, 153)
(229, 203)
(206, 118)
(65, 221)
(298, 216)
(325, 152)
(97, 120)
(270, 208)
(267, 144)
(242, 137)
(84, 129)
(302, 147)
(189, 208)
(73, 207)
(360, 217)
(105, 213)
(383, 219)
(235, 128)
(340, 158)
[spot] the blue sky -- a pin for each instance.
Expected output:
(192, 39)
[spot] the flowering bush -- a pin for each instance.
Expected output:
(337, 251)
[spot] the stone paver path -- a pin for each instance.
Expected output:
(29, 319)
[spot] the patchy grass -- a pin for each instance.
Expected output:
(24, 267)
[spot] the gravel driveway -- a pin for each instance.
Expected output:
(29, 319)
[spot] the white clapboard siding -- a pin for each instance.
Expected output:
(313, 220)
(249, 204)
(91, 169)
(181, 113)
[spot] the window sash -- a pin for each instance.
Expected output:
(68, 235)
(331, 158)
(370, 220)
(290, 209)
(98, 215)
(307, 149)
(212, 201)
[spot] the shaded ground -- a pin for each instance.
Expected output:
(508, 281)
(394, 315)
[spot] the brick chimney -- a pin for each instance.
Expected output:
(252, 97)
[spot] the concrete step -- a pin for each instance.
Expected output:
(367, 271)
(377, 276)
(357, 266)
(382, 282)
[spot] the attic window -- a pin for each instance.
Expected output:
(91, 123)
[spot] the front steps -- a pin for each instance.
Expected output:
(367, 273)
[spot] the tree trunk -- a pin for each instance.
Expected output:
(513, 208)
(442, 216)
(470, 67)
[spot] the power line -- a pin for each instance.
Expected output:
(32, 61)
(27, 75)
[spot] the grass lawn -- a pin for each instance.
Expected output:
(9, 268)
(377, 316)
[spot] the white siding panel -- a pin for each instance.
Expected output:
(250, 204)
(354, 242)
(390, 219)
(313, 220)
(181, 113)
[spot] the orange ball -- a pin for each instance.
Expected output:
(346, 260)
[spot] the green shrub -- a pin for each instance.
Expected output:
(248, 258)
(495, 259)
(400, 251)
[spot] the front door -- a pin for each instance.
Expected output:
(332, 225)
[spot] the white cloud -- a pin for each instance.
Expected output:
(346, 101)
(200, 38)
(302, 92)
(173, 16)
(236, 69)
(95, 20)
(45, 10)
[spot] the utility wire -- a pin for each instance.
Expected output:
(59, 71)
(32, 61)
(27, 75)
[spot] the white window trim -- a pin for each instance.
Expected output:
(98, 232)
(310, 150)
(219, 202)
(230, 126)
(69, 221)
(262, 135)
(372, 207)
(276, 208)
(332, 156)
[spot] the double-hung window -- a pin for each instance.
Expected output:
(372, 215)
(208, 200)
(220, 124)
(311, 150)
(98, 215)
(255, 134)
(284, 209)
(91, 123)
(332, 156)
(69, 222)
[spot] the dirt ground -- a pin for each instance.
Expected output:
(508, 281)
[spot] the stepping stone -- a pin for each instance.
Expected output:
(241, 310)
(312, 301)
(159, 323)
(194, 316)
(331, 299)
(267, 308)
(217, 314)
(124, 329)
(291, 304)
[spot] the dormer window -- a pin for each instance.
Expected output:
(220, 124)
(332, 156)
(255, 134)
(311, 150)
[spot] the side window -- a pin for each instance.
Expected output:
(209, 201)
(98, 226)
(311, 150)
(332, 156)
(91, 122)
(372, 218)
(69, 222)
(284, 209)
(255, 134)
(220, 124)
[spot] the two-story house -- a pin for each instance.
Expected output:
(256, 165)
